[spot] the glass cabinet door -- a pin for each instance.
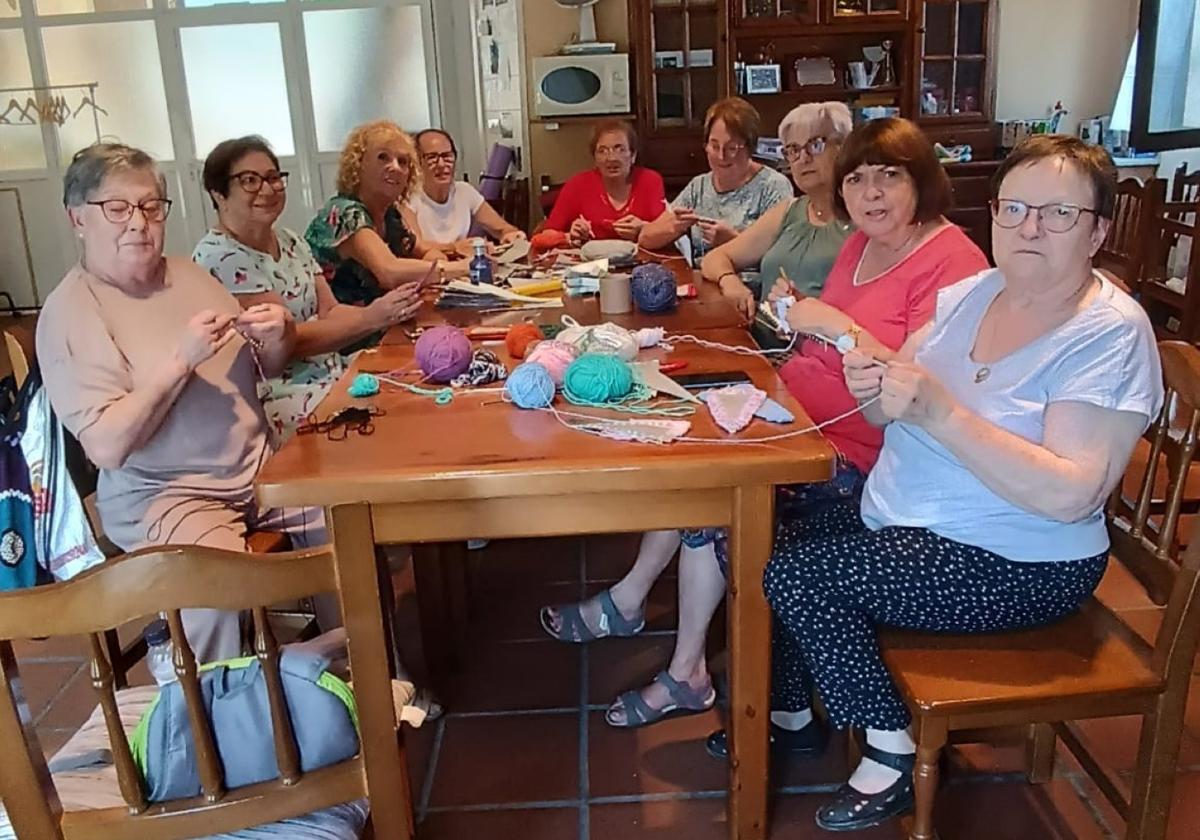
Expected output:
(852, 10)
(953, 58)
(799, 11)
(685, 41)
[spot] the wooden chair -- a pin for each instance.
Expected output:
(124, 656)
(1125, 247)
(1089, 665)
(514, 202)
(1185, 186)
(1174, 313)
(169, 579)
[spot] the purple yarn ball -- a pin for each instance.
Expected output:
(443, 353)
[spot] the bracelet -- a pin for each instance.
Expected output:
(721, 277)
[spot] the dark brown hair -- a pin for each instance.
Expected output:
(604, 126)
(1091, 161)
(740, 118)
(417, 138)
(218, 166)
(895, 141)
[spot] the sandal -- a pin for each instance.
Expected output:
(854, 810)
(574, 629)
(685, 701)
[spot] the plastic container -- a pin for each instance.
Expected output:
(481, 264)
(158, 658)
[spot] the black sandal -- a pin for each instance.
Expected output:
(854, 810)
(806, 742)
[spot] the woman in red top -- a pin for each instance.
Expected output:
(616, 198)
(882, 287)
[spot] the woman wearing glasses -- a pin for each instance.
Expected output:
(152, 365)
(261, 263)
(364, 237)
(1008, 419)
(714, 207)
(880, 290)
(616, 198)
(800, 237)
(445, 207)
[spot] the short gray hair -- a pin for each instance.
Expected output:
(91, 165)
(830, 119)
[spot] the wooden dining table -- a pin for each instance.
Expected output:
(479, 467)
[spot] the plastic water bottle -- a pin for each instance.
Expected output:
(481, 264)
(158, 658)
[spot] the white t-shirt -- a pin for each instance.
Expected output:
(1105, 356)
(447, 222)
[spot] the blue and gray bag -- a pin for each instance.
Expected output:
(324, 719)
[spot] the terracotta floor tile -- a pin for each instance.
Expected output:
(667, 757)
(74, 705)
(1009, 810)
(41, 682)
(53, 739)
(609, 556)
(617, 665)
(832, 767)
(514, 676)
(1185, 808)
(1191, 716)
(535, 561)
(1119, 590)
(539, 824)
(1003, 752)
(792, 818)
(511, 611)
(693, 819)
(1114, 741)
(418, 749)
(507, 759)
(69, 647)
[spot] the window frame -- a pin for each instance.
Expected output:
(1140, 135)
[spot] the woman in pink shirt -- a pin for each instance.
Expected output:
(882, 287)
(616, 198)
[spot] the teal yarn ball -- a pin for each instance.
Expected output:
(598, 378)
(530, 386)
(364, 385)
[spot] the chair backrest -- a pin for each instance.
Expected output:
(130, 587)
(1125, 247)
(1185, 186)
(1144, 532)
(514, 202)
(19, 344)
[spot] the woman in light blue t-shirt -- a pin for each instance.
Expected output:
(1008, 420)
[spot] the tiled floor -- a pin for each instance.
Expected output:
(524, 752)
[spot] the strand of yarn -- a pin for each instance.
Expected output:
(653, 288)
(440, 396)
(732, 348)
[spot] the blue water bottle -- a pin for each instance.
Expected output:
(481, 264)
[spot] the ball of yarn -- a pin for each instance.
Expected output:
(443, 353)
(364, 385)
(519, 337)
(605, 338)
(530, 386)
(653, 288)
(555, 357)
(598, 378)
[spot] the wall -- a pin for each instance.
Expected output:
(561, 152)
(1069, 50)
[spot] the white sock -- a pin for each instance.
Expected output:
(873, 777)
(792, 721)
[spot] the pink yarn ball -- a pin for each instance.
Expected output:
(443, 353)
(555, 357)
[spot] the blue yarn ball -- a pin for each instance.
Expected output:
(653, 288)
(598, 378)
(530, 386)
(364, 385)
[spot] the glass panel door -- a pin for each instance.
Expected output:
(685, 41)
(953, 58)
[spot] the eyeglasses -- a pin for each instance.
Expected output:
(1055, 218)
(431, 158)
(119, 211)
(614, 151)
(252, 182)
(728, 150)
(815, 146)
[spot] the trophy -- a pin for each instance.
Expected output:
(880, 58)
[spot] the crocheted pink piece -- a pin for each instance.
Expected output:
(734, 405)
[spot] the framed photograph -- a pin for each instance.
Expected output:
(813, 70)
(762, 78)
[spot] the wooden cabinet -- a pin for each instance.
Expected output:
(864, 11)
(954, 74)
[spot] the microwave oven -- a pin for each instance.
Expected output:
(565, 85)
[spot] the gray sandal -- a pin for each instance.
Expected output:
(685, 701)
(575, 629)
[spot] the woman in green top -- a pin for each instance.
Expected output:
(799, 238)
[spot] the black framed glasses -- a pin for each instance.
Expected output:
(252, 182)
(430, 158)
(1054, 218)
(815, 146)
(119, 211)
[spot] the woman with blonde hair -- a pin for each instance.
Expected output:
(363, 236)
(717, 205)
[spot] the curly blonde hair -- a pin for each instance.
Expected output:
(349, 174)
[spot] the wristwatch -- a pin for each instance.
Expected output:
(848, 340)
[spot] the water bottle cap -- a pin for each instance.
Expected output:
(480, 246)
(157, 632)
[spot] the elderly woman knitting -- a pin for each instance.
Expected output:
(881, 289)
(1008, 420)
(153, 366)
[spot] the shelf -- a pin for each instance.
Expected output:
(584, 118)
(783, 28)
(681, 71)
(831, 92)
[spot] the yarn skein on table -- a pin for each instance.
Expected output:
(654, 288)
(520, 337)
(555, 357)
(442, 353)
(530, 386)
(597, 378)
